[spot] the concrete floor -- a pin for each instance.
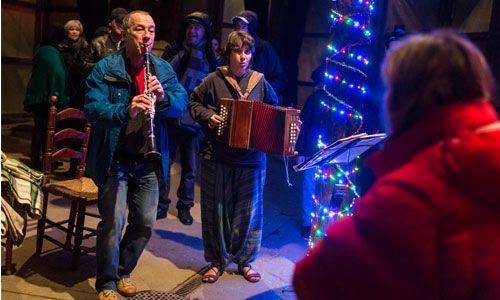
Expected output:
(173, 260)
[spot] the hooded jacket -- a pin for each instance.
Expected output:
(106, 107)
(204, 102)
(429, 228)
(265, 59)
(172, 50)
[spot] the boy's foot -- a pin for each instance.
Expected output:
(212, 274)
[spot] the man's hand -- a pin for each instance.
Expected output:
(155, 87)
(215, 121)
(139, 103)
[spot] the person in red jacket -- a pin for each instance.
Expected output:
(429, 228)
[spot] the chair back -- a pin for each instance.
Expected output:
(52, 154)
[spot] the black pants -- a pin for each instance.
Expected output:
(188, 140)
(41, 116)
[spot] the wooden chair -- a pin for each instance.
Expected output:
(80, 191)
(8, 255)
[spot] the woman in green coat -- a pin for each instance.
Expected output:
(49, 77)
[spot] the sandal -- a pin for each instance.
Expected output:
(210, 278)
(254, 277)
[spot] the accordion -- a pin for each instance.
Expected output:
(248, 124)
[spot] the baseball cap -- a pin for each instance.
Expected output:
(240, 18)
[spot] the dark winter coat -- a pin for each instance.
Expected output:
(70, 50)
(265, 59)
(172, 50)
(99, 48)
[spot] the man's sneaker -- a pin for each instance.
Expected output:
(107, 295)
(185, 216)
(126, 287)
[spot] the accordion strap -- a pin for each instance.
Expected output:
(229, 76)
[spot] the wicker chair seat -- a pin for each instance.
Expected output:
(74, 189)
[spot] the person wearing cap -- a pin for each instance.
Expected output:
(265, 59)
(104, 45)
(192, 59)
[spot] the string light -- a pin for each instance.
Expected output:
(348, 61)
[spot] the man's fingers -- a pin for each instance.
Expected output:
(216, 119)
(155, 87)
(140, 107)
(142, 99)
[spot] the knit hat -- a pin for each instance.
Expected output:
(197, 16)
(118, 13)
(200, 17)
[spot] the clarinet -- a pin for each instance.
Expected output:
(151, 153)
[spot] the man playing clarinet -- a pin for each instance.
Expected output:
(116, 105)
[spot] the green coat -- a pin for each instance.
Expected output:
(49, 77)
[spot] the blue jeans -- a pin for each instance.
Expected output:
(135, 184)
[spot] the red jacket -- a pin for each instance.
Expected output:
(429, 228)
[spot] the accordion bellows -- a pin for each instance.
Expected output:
(248, 124)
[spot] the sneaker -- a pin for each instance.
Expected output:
(126, 287)
(184, 216)
(107, 295)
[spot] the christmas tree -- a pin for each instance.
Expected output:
(345, 94)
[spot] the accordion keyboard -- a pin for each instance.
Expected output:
(293, 133)
(223, 114)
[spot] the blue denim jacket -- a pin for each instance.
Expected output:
(106, 107)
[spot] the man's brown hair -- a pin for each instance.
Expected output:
(234, 40)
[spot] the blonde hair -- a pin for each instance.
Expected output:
(73, 23)
(426, 71)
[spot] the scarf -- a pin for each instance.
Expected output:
(197, 66)
(230, 78)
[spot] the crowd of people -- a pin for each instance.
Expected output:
(429, 228)
(106, 79)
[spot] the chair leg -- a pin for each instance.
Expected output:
(71, 224)
(40, 232)
(80, 221)
(8, 256)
